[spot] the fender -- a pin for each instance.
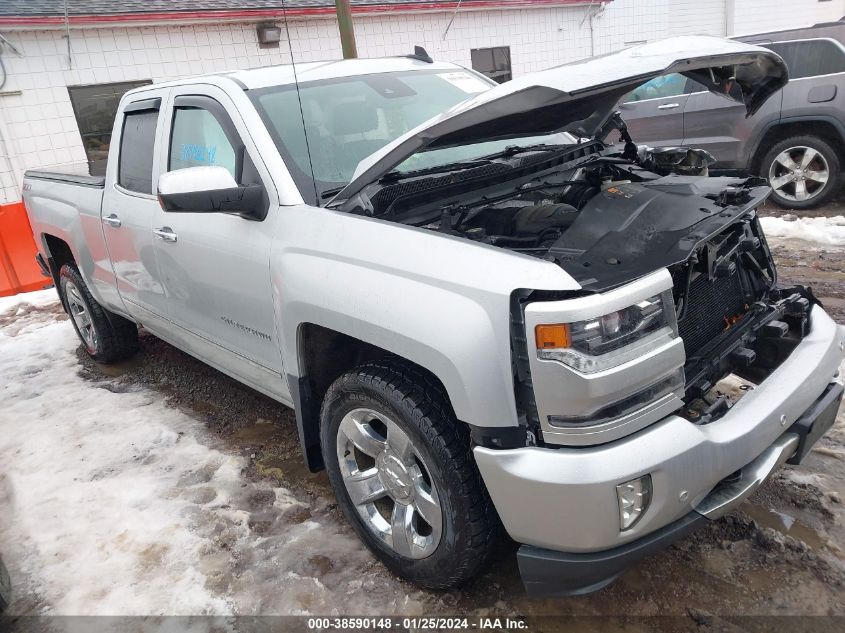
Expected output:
(837, 124)
(439, 301)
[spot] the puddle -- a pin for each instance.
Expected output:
(784, 523)
(116, 370)
(261, 432)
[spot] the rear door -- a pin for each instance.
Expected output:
(654, 112)
(216, 266)
(129, 205)
(719, 125)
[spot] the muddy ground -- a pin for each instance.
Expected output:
(782, 553)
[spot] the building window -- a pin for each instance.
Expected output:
(494, 62)
(95, 108)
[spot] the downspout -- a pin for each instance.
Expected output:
(730, 17)
(589, 17)
(67, 38)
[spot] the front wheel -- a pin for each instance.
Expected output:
(401, 468)
(803, 172)
(107, 337)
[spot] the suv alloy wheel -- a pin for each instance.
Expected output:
(803, 172)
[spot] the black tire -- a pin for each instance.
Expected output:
(115, 338)
(819, 193)
(418, 405)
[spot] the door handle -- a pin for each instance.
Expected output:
(112, 220)
(667, 106)
(165, 233)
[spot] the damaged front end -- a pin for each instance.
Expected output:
(522, 168)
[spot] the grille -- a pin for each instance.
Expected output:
(710, 302)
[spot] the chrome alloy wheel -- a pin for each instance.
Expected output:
(81, 317)
(388, 483)
(799, 173)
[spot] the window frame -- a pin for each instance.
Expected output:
(133, 108)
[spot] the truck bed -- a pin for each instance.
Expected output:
(66, 206)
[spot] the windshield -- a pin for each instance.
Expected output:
(348, 118)
(474, 151)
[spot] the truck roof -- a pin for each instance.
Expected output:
(314, 71)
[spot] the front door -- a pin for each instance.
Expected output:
(129, 205)
(215, 266)
(654, 112)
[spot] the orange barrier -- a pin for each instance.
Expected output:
(18, 270)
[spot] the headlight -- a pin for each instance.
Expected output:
(611, 339)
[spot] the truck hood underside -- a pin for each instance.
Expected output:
(579, 97)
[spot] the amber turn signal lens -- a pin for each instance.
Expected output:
(552, 336)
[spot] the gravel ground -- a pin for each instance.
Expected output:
(782, 553)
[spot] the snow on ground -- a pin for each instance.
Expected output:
(825, 231)
(113, 503)
(23, 302)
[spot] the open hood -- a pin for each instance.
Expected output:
(579, 97)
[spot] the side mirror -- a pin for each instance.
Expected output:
(209, 190)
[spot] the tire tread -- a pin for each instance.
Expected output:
(117, 336)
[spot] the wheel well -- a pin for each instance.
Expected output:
(324, 355)
(823, 129)
(58, 254)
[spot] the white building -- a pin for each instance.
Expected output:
(68, 61)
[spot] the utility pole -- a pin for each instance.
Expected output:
(347, 30)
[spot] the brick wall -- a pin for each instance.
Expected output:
(38, 128)
(759, 16)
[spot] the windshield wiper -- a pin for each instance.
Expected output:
(437, 169)
(513, 150)
(330, 193)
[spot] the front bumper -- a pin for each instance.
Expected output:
(565, 499)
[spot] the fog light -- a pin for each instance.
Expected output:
(634, 497)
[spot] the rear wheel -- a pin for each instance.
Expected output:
(107, 337)
(803, 172)
(403, 473)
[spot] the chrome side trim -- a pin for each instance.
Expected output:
(724, 498)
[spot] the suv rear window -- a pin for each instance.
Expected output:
(135, 165)
(810, 58)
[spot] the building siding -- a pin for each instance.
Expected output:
(38, 127)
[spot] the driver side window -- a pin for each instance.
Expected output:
(659, 88)
(198, 139)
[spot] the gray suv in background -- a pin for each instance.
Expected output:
(795, 140)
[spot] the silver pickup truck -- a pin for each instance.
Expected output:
(482, 315)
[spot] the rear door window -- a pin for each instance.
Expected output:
(810, 58)
(137, 144)
(659, 88)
